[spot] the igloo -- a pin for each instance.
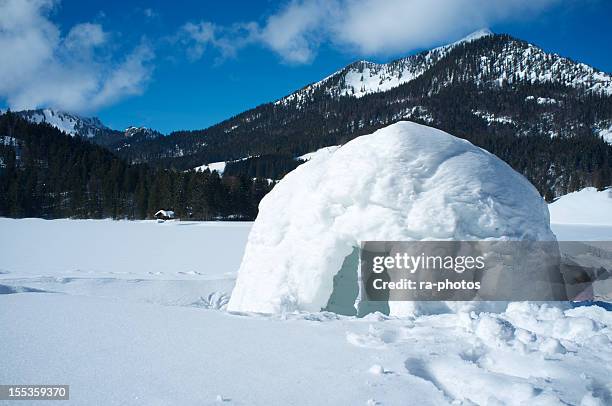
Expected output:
(404, 182)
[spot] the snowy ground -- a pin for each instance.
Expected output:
(585, 207)
(585, 215)
(125, 312)
(171, 263)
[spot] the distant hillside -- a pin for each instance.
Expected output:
(46, 173)
(89, 127)
(71, 124)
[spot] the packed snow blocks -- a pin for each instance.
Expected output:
(405, 182)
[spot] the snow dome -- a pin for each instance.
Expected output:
(404, 182)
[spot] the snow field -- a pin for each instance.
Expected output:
(112, 352)
(132, 313)
(171, 263)
(140, 338)
(587, 207)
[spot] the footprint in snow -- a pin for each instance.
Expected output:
(418, 368)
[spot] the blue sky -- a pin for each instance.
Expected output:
(190, 64)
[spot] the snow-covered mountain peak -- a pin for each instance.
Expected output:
(87, 127)
(483, 32)
(133, 131)
(503, 59)
(69, 123)
(364, 77)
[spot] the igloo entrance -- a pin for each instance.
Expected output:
(347, 298)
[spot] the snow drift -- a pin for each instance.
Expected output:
(404, 182)
(587, 206)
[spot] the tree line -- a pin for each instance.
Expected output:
(46, 173)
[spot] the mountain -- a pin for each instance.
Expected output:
(513, 61)
(363, 77)
(117, 141)
(542, 113)
(141, 132)
(47, 173)
(89, 127)
(69, 123)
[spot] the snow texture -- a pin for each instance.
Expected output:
(587, 206)
(97, 305)
(404, 182)
(114, 352)
(172, 263)
(321, 151)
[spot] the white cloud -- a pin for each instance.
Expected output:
(74, 72)
(127, 78)
(196, 37)
(376, 27)
(85, 36)
(297, 30)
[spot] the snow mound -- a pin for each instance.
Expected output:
(587, 206)
(404, 182)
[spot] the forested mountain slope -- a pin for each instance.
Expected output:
(540, 112)
(46, 173)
